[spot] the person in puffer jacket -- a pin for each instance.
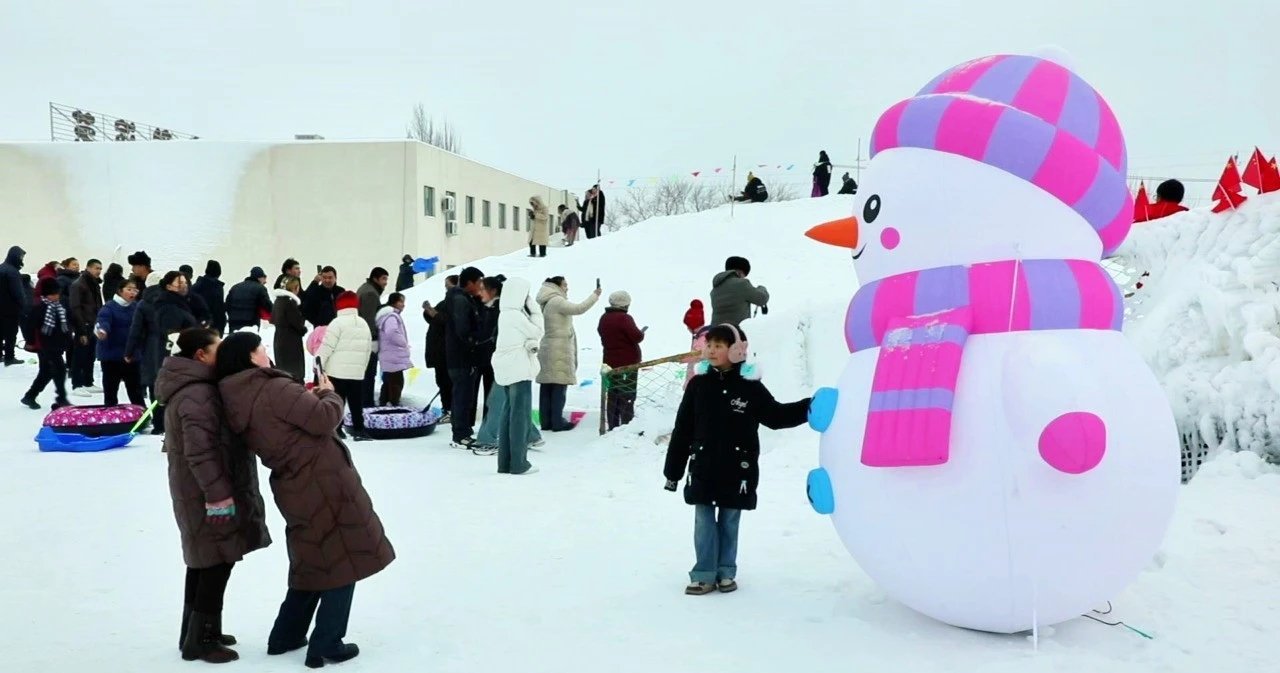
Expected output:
(621, 339)
(344, 355)
(118, 364)
(558, 353)
(393, 350)
(515, 366)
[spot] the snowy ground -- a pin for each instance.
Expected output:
(584, 563)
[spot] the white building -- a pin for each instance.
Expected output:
(353, 205)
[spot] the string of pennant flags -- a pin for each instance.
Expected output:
(722, 172)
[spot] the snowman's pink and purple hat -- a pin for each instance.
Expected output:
(1031, 118)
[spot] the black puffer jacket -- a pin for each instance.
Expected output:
(717, 434)
(436, 328)
(160, 314)
(246, 301)
(210, 290)
(15, 296)
(463, 329)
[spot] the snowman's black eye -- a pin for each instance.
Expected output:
(872, 209)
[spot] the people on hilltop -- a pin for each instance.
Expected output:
(209, 288)
(247, 300)
(539, 227)
(558, 354)
(86, 302)
(620, 339)
(437, 318)
(593, 212)
(569, 224)
(822, 175)
(394, 357)
(754, 192)
(717, 440)
(848, 185)
(404, 280)
(732, 295)
(290, 328)
(318, 299)
(334, 537)
(213, 482)
(1169, 195)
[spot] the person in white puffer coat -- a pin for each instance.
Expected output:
(515, 366)
(344, 354)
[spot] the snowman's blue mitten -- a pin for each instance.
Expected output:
(822, 408)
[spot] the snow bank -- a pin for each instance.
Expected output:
(1207, 320)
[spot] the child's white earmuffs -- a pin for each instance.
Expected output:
(737, 351)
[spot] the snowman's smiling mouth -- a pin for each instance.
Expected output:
(861, 250)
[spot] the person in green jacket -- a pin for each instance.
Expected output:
(732, 295)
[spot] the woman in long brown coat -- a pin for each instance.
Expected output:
(213, 481)
(286, 315)
(335, 538)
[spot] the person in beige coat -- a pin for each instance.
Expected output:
(539, 228)
(558, 354)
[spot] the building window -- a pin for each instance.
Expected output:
(471, 210)
(484, 214)
(429, 201)
(502, 216)
(515, 218)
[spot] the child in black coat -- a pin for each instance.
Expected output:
(50, 328)
(717, 434)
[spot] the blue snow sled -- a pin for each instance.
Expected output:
(70, 442)
(425, 265)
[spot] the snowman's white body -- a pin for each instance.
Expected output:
(995, 538)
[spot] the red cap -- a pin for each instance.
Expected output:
(347, 300)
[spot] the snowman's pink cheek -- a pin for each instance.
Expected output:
(890, 238)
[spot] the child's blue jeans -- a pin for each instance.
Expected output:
(715, 539)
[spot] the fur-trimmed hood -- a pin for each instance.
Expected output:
(279, 294)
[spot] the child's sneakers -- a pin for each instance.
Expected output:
(30, 402)
(699, 588)
(726, 585)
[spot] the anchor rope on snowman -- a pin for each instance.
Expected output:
(979, 419)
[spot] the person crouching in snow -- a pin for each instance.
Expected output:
(393, 350)
(213, 481)
(345, 354)
(717, 435)
(48, 323)
(621, 341)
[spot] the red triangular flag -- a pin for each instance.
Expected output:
(1230, 176)
(1226, 199)
(1253, 171)
(1270, 178)
(1141, 204)
(696, 173)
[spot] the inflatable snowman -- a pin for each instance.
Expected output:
(996, 455)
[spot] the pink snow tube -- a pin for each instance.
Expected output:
(315, 339)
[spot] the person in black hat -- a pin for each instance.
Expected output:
(209, 288)
(248, 300)
(140, 262)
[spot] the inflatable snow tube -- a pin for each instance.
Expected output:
(95, 420)
(396, 422)
(68, 442)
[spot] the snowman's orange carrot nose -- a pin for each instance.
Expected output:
(842, 233)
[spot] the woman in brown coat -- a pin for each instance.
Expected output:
(286, 315)
(335, 538)
(213, 481)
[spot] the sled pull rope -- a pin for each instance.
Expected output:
(1117, 622)
(145, 416)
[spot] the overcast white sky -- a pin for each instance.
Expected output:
(555, 90)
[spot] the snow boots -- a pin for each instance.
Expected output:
(699, 588)
(202, 641)
(222, 638)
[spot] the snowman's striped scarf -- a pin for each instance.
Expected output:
(921, 321)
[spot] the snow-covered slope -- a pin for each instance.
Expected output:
(1208, 320)
(584, 562)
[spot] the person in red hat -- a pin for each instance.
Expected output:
(344, 355)
(694, 318)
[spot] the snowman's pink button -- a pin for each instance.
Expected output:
(1074, 442)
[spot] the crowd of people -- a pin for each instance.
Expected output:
(192, 347)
